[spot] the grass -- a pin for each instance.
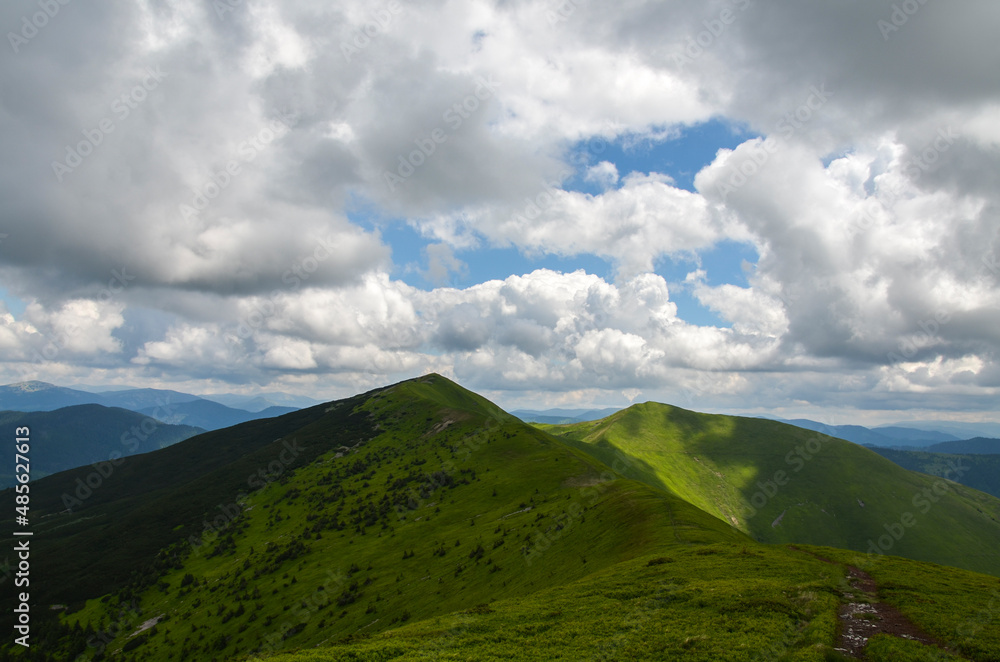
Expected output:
(448, 507)
(762, 603)
(782, 484)
(421, 522)
(883, 648)
(757, 602)
(959, 608)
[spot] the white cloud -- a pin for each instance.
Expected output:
(870, 197)
(604, 174)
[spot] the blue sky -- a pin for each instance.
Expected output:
(681, 156)
(844, 229)
(14, 305)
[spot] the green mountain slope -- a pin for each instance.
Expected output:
(745, 603)
(84, 434)
(420, 521)
(783, 484)
(443, 502)
(91, 539)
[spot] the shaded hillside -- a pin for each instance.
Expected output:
(84, 434)
(412, 501)
(977, 446)
(210, 415)
(420, 521)
(981, 472)
(780, 483)
(750, 603)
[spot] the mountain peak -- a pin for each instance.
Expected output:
(31, 386)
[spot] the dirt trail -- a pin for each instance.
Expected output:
(863, 616)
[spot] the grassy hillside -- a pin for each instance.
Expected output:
(153, 500)
(84, 434)
(743, 603)
(686, 603)
(450, 503)
(420, 521)
(783, 484)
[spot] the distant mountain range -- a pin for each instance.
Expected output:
(977, 446)
(981, 472)
(563, 416)
(923, 434)
(959, 429)
(210, 415)
(425, 518)
(82, 435)
(174, 407)
(900, 437)
(261, 402)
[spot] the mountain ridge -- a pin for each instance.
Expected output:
(379, 515)
(81, 435)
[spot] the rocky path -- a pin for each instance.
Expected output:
(862, 616)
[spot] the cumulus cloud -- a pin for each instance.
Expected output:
(604, 174)
(195, 194)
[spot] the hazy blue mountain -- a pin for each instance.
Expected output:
(80, 435)
(210, 415)
(100, 388)
(141, 398)
(856, 433)
(959, 429)
(896, 435)
(981, 472)
(563, 416)
(915, 434)
(42, 396)
(262, 401)
(977, 446)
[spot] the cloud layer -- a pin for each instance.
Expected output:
(196, 193)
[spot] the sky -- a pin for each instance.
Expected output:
(735, 206)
